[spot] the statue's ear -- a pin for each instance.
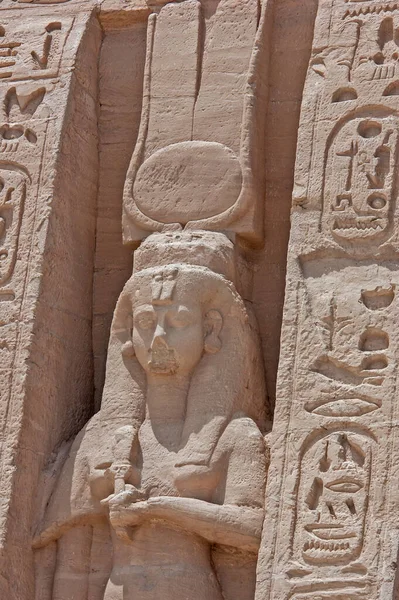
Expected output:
(127, 347)
(213, 327)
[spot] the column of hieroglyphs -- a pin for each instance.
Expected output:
(46, 235)
(162, 493)
(331, 530)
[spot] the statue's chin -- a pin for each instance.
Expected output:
(168, 367)
(162, 361)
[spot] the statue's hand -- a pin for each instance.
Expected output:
(127, 496)
(123, 515)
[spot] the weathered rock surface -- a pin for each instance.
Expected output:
(331, 524)
(149, 162)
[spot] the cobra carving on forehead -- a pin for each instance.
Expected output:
(175, 284)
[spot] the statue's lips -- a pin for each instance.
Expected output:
(330, 531)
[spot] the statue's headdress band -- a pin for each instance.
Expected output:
(203, 249)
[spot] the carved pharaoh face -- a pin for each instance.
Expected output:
(334, 489)
(360, 179)
(170, 332)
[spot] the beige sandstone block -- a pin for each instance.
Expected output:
(331, 526)
(40, 405)
(152, 484)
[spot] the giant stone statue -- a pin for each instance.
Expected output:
(162, 492)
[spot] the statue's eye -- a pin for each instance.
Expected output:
(179, 318)
(145, 321)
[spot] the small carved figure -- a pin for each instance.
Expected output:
(13, 183)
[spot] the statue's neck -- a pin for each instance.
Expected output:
(166, 407)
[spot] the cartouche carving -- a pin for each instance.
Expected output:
(333, 502)
(359, 187)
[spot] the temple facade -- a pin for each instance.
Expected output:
(199, 277)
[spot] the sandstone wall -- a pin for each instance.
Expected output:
(152, 156)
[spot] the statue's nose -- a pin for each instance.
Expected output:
(159, 338)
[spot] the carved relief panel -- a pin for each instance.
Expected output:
(355, 87)
(36, 55)
(338, 453)
(29, 63)
(334, 424)
(352, 332)
(33, 56)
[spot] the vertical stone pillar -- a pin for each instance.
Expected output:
(48, 175)
(331, 530)
(120, 66)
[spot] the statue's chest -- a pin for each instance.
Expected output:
(163, 474)
(158, 457)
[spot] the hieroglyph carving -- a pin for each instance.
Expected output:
(170, 473)
(29, 54)
(23, 127)
(359, 181)
(353, 70)
(24, 119)
(35, 54)
(35, 83)
(330, 533)
(333, 506)
(351, 357)
(12, 199)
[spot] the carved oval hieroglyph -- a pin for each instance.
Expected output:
(360, 178)
(188, 181)
(333, 498)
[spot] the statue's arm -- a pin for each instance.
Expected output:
(235, 517)
(230, 525)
